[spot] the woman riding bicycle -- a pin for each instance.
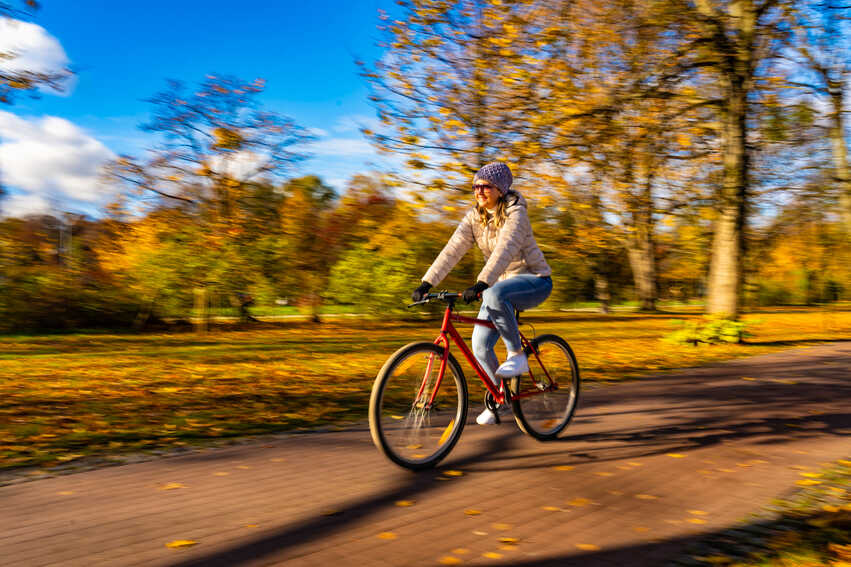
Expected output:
(515, 275)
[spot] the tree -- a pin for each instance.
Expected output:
(24, 80)
(727, 43)
(455, 86)
(215, 142)
(217, 166)
(303, 219)
(821, 46)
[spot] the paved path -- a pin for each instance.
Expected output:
(645, 468)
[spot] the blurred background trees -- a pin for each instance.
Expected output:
(672, 151)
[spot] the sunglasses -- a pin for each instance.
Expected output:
(483, 187)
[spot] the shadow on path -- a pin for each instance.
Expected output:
(350, 512)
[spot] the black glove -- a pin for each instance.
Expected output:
(421, 292)
(471, 294)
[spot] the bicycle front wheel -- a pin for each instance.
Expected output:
(416, 418)
(545, 398)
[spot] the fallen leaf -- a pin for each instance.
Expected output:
(277, 459)
(453, 473)
(808, 482)
(646, 497)
(579, 502)
(446, 432)
(676, 455)
(252, 526)
(509, 540)
(502, 527)
(221, 473)
(641, 529)
(65, 493)
(588, 547)
(843, 551)
(387, 535)
(172, 486)
(472, 512)
(180, 543)
(492, 555)
(696, 521)
(830, 508)
(460, 551)
(449, 560)
(550, 508)
(479, 532)
(404, 503)
(603, 473)
(563, 468)
(243, 467)
(697, 512)
(811, 475)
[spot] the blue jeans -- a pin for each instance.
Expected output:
(498, 303)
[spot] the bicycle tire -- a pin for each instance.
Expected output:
(407, 432)
(542, 412)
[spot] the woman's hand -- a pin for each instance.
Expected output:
(421, 292)
(472, 293)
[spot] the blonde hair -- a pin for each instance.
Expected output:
(500, 215)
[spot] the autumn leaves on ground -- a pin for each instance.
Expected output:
(67, 397)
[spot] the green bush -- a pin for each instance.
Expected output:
(709, 330)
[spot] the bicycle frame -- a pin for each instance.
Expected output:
(448, 331)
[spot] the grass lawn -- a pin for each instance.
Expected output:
(68, 396)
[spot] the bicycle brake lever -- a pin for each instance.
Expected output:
(418, 303)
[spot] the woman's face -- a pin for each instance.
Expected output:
(486, 194)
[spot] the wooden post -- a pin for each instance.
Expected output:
(201, 310)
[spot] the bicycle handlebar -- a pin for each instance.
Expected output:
(448, 296)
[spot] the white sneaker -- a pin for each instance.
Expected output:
(487, 417)
(514, 366)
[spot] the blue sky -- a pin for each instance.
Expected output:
(123, 52)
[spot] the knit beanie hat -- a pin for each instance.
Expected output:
(497, 174)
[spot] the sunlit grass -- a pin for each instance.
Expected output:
(72, 395)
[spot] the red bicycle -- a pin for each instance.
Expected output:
(417, 413)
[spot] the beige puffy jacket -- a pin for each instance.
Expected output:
(509, 250)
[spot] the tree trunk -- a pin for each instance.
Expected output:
(643, 264)
(842, 173)
(601, 289)
(641, 252)
(728, 245)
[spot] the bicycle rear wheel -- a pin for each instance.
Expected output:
(409, 430)
(545, 398)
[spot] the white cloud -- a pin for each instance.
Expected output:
(239, 165)
(31, 47)
(342, 147)
(50, 159)
(318, 132)
(354, 122)
(23, 205)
